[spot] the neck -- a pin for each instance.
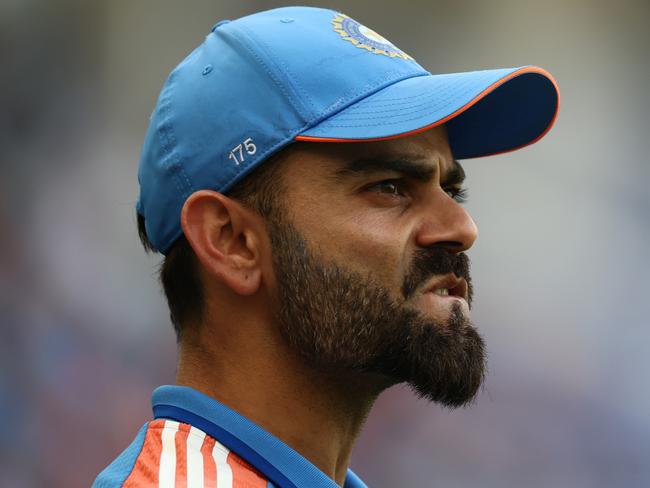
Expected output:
(317, 414)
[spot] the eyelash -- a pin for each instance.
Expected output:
(460, 195)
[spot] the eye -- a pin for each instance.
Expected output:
(458, 194)
(388, 187)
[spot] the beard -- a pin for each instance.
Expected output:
(341, 322)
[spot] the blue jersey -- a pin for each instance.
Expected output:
(195, 441)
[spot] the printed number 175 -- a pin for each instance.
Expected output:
(239, 152)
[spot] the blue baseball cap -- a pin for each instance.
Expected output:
(263, 81)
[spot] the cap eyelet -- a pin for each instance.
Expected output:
(219, 24)
(207, 70)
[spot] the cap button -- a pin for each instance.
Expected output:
(286, 20)
(219, 24)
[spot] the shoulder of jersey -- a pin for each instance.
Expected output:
(166, 453)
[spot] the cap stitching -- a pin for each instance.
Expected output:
(286, 71)
(165, 143)
(424, 107)
(389, 123)
(266, 68)
(431, 94)
(367, 90)
(505, 72)
(463, 85)
(174, 165)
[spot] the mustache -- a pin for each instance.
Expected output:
(435, 261)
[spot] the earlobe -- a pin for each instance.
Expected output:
(223, 235)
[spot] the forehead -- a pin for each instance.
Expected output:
(312, 157)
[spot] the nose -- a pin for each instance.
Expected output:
(447, 224)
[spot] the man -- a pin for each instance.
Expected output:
(306, 274)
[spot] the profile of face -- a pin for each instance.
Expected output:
(370, 271)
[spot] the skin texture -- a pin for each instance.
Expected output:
(371, 223)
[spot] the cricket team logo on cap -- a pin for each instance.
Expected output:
(365, 38)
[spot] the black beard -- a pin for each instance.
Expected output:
(339, 321)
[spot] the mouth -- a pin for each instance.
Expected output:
(449, 286)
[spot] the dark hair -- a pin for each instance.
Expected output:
(179, 271)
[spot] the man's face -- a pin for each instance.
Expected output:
(369, 264)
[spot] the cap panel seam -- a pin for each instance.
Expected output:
(247, 38)
(351, 98)
(285, 70)
(380, 114)
(424, 99)
(173, 163)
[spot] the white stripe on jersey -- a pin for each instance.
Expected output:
(224, 473)
(167, 470)
(195, 458)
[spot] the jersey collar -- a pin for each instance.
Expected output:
(283, 466)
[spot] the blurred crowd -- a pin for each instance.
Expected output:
(561, 267)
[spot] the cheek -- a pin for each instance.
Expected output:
(370, 241)
(367, 244)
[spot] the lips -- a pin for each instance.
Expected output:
(448, 285)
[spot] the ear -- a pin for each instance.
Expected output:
(224, 235)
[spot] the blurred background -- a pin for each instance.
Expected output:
(561, 266)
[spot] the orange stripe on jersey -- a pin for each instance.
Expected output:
(243, 474)
(209, 466)
(181, 455)
(145, 470)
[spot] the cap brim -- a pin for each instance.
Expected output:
(486, 112)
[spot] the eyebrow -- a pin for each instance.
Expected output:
(418, 168)
(455, 176)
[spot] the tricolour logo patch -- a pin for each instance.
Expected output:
(365, 38)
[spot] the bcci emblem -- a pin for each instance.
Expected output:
(364, 38)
